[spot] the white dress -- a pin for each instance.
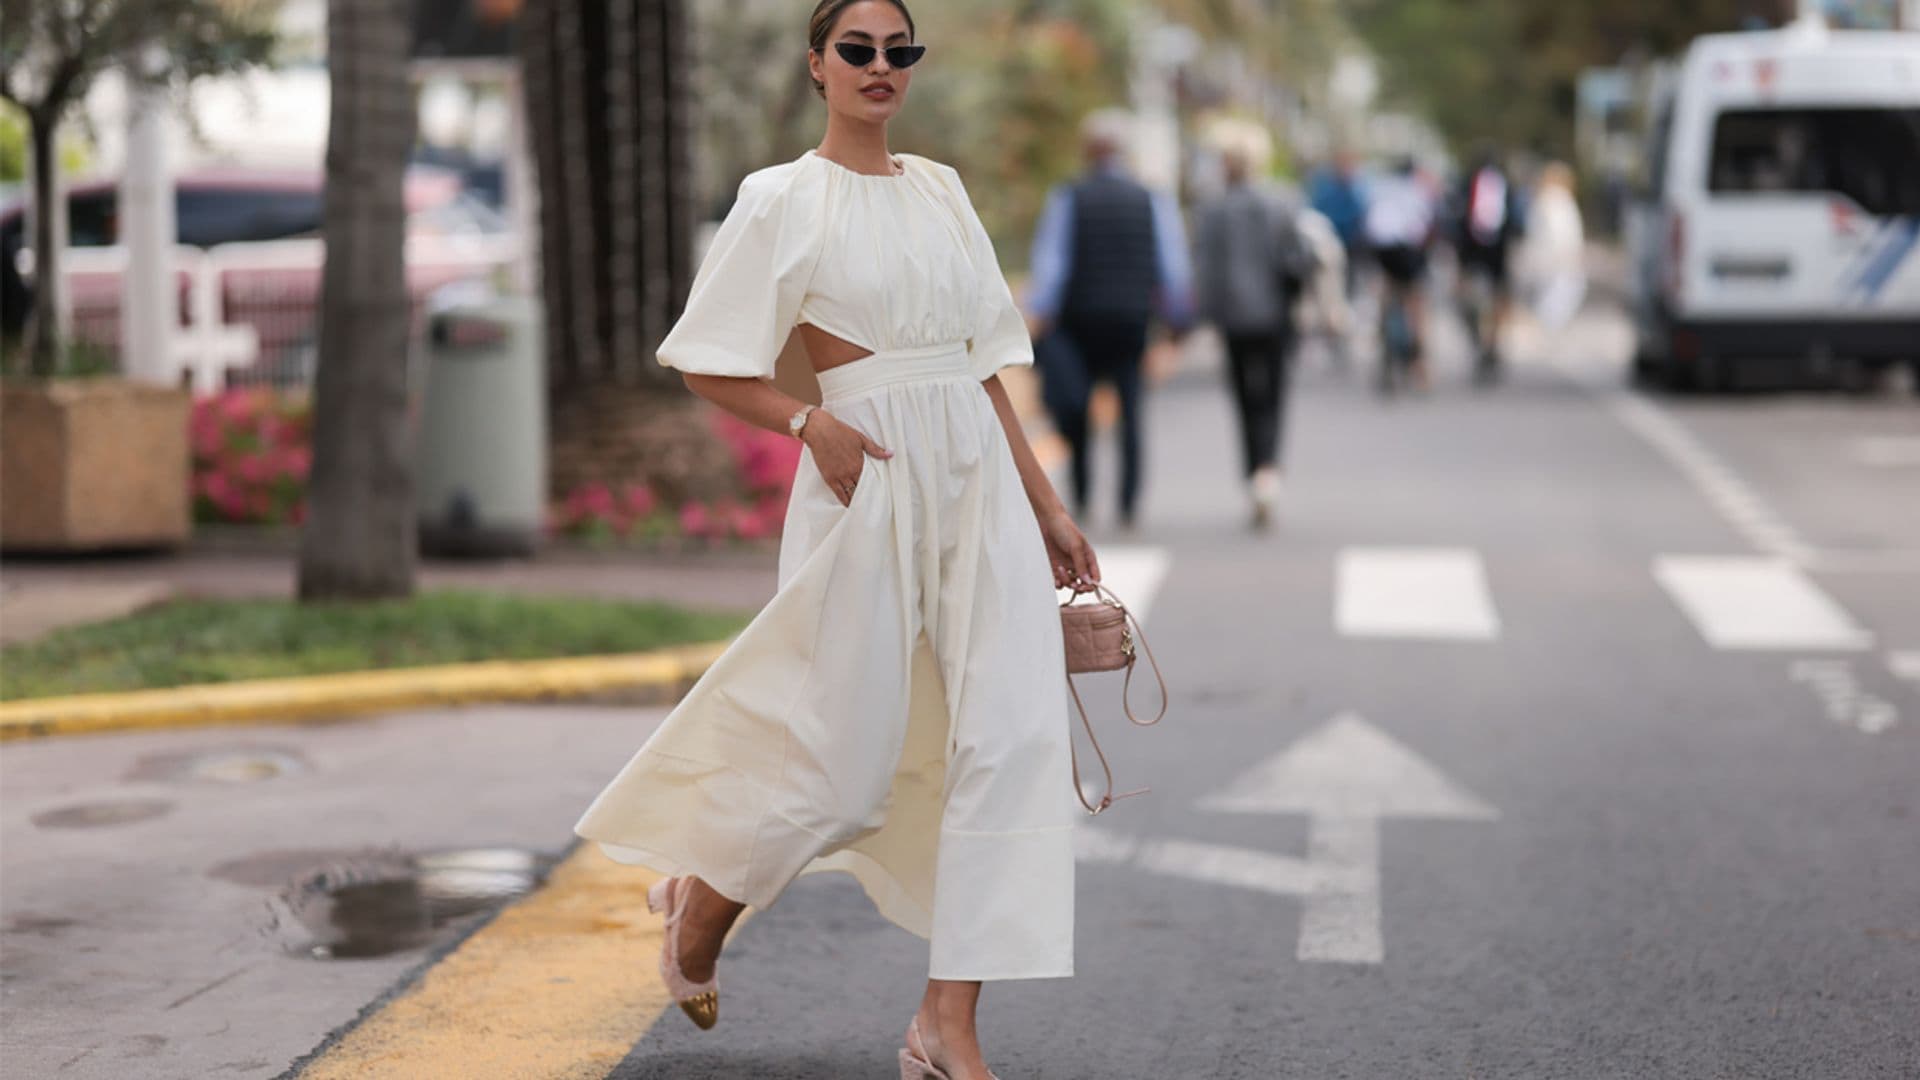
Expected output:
(898, 710)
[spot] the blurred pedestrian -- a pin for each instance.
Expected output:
(1553, 254)
(1108, 255)
(1250, 264)
(898, 710)
(1398, 231)
(1486, 222)
(1324, 308)
(1337, 194)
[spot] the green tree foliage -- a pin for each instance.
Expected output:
(52, 50)
(1506, 70)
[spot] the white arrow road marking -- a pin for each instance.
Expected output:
(1422, 593)
(1345, 777)
(1755, 603)
(1844, 699)
(1905, 663)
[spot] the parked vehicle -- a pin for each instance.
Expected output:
(250, 260)
(1781, 217)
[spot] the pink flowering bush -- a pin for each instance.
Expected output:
(600, 512)
(251, 453)
(764, 464)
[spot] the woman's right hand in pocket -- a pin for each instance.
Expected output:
(840, 452)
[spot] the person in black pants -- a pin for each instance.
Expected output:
(1108, 254)
(1249, 266)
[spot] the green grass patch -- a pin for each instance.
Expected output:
(210, 641)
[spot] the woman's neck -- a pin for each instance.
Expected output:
(860, 147)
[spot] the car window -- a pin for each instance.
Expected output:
(209, 216)
(1658, 141)
(91, 219)
(1871, 156)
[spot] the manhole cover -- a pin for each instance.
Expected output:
(378, 905)
(107, 812)
(223, 765)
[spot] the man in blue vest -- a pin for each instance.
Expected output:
(1108, 255)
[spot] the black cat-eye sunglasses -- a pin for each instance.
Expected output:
(900, 56)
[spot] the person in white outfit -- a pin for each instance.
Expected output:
(899, 708)
(1555, 250)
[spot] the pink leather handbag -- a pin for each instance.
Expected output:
(1102, 636)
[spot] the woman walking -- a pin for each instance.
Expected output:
(898, 709)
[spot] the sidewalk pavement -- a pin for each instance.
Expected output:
(42, 595)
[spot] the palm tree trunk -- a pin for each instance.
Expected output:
(359, 541)
(609, 109)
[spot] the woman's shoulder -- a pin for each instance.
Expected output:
(774, 187)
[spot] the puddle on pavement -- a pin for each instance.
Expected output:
(92, 815)
(379, 904)
(222, 765)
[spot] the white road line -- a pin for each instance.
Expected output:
(1420, 593)
(1738, 503)
(1905, 663)
(1134, 574)
(1755, 603)
(1887, 451)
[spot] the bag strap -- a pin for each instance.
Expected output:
(1109, 798)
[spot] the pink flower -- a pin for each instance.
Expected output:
(639, 500)
(597, 499)
(695, 520)
(297, 462)
(754, 524)
(254, 469)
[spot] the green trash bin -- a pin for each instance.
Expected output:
(480, 478)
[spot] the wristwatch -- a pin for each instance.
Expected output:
(798, 420)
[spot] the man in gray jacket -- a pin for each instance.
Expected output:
(1250, 263)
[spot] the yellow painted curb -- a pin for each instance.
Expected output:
(559, 986)
(667, 671)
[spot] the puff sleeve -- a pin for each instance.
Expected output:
(999, 336)
(747, 292)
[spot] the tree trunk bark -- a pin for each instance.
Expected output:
(46, 341)
(609, 110)
(359, 541)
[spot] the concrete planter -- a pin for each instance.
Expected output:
(88, 464)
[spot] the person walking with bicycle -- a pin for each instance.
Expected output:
(1398, 228)
(1486, 225)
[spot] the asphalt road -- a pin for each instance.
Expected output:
(1556, 731)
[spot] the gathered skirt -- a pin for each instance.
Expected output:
(898, 710)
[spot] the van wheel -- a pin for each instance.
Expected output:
(1649, 371)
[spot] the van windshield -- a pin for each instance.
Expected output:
(1872, 156)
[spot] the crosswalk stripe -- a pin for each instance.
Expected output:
(1757, 603)
(1134, 573)
(1435, 594)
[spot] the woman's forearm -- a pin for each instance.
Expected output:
(1033, 478)
(756, 401)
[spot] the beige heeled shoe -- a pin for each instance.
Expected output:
(915, 1064)
(700, 1001)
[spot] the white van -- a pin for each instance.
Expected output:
(1780, 223)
